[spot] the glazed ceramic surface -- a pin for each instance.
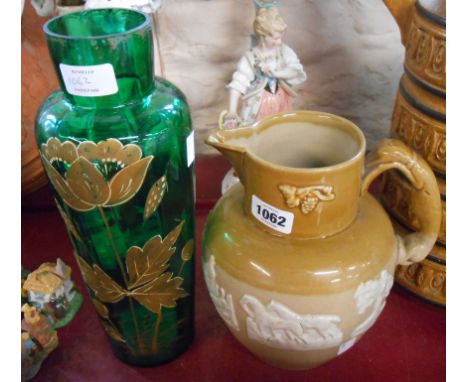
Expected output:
(419, 117)
(427, 278)
(299, 258)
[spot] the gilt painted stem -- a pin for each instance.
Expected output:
(124, 275)
(181, 267)
(154, 343)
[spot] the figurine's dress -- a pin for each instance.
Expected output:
(263, 95)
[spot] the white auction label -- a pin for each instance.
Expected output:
(279, 220)
(89, 81)
(190, 148)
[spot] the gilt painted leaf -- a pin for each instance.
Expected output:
(87, 272)
(144, 266)
(108, 290)
(187, 251)
(147, 263)
(113, 332)
(163, 291)
(127, 182)
(155, 196)
(105, 289)
(64, 191)
(87, 183)
(101, 308)
(167, 243)
(68, 222)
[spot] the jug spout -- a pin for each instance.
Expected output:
(401, 11)
(235, 154)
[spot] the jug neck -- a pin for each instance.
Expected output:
(302, 204)
(301, 171)
(103, 57)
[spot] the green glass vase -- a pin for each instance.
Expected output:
(117, 146)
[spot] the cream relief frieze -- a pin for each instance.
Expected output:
(372, 294)
(222, 300)
(278, 326)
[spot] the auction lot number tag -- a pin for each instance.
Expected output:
(89, 81)
(279, 220)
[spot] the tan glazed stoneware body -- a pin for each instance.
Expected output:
(299, 258)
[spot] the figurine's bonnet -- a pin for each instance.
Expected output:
(265, 4)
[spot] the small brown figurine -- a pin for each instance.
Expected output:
(51, 290)
(39, 327)
(30, 357)
(38, 340)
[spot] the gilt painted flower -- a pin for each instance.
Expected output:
(92, 175)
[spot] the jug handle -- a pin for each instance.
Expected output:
(393, 154)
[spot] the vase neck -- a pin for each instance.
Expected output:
(103, 57)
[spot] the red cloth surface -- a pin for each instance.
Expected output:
(407, 343)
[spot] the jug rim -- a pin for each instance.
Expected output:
(269, 121)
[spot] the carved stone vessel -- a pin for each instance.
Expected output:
(419, 121)
(299, 258)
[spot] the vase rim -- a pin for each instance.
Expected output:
(146, 22)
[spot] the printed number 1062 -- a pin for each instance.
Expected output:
(271, 216)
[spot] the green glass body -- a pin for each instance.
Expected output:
(121, 166)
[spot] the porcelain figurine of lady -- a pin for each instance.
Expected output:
(265, 75)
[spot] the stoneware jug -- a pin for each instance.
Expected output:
(299, 258)
(419, 121)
